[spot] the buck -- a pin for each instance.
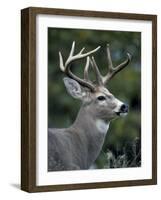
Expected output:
(78, 146)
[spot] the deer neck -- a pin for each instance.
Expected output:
(93, 132)
(89, 123)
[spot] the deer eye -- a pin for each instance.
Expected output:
(101, 98)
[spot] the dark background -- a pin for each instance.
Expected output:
(122, 145)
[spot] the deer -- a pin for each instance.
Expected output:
(78, 146)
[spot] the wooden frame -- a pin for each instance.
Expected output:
(28, 98)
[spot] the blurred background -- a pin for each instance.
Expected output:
(122, 147)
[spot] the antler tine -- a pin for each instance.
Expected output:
(61, 64)
(99, 77)
(86, 77)
(66, 67)
(109, 60)
(72, 49)
(62, 67)
(114, 70)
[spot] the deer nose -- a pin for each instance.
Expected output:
(124, 108)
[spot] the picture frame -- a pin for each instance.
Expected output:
(30, 38)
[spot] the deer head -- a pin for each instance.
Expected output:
(97, 100)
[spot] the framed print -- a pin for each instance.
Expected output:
(89, 99)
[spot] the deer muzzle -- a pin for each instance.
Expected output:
(124, 108)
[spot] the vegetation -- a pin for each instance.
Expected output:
(122, 147)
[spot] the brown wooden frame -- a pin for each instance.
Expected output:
(28, 98)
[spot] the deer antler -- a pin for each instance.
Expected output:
(66, 67)
(114, 70)
(102, 80)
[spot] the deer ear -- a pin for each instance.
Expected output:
(73, 88)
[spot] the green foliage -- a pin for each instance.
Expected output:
(126, 86)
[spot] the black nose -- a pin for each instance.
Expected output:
(124, 108)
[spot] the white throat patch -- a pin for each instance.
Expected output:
(102, 126)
